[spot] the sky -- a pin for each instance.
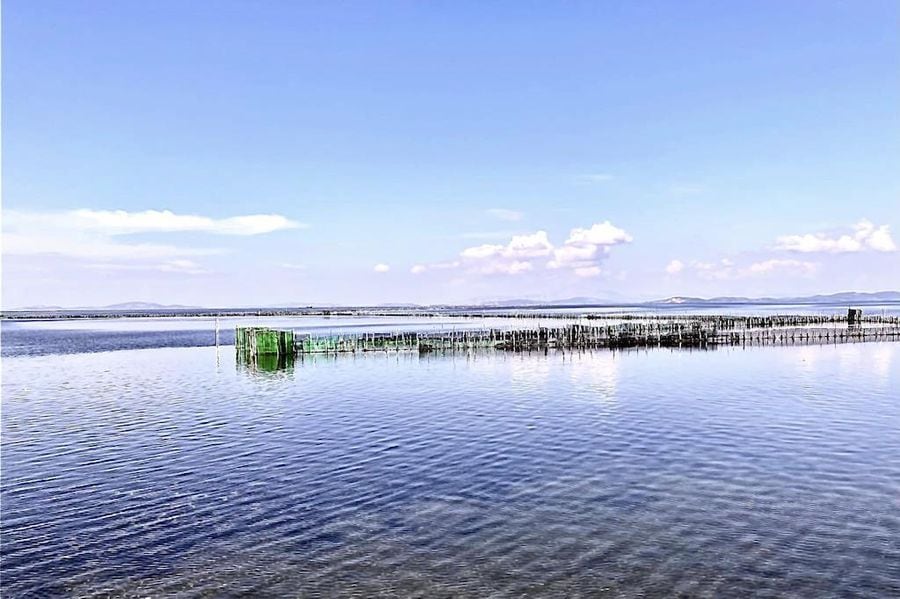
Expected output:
(293, 153)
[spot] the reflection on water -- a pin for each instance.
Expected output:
(256, 362)
(771, 471)
(882, 357)
(597, 371)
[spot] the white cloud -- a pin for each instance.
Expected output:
(881, 241)
(533, 245)
(674, 267)
(381, 267)
(96, 236)
(572, 254)
(121, 222)
(582, 252)
(604, 233)
(529, 246)
(865, 236)
(482, 251)
(795, 266)
(505, 214)
(726, 270)
(586, 248)
(513, 258)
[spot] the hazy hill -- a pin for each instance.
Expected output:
(146, 306)
(844, 297)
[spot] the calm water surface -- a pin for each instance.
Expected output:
(171, 471)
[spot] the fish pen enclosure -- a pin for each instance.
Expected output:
(264, 341)
(682, 331)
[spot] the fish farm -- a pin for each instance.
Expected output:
(620, 331)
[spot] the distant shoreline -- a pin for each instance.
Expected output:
(543, 310)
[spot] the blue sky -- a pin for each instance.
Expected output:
(236, 153)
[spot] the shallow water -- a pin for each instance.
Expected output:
(34, 337)
(772, 471)
(43, 337)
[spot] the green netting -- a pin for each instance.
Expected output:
(264, 341)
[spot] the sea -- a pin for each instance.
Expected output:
(140, 458)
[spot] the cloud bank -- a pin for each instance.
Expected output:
(121, 222)
(674, 267)
(96, 236)
(865, 237)
(581, 253)
(726, 270)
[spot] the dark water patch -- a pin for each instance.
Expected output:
(42, 342)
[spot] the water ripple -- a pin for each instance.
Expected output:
(764, 472)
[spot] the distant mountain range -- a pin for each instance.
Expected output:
(116, 307)
(845, 297)
(571, 301)
(147, 306)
